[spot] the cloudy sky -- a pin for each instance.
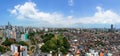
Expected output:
(61, 13)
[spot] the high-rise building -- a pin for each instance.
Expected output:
(24, 37)
(111, 26)
(18, 36)
(9, 26)
(14, 48)
(24, 53)
(7, 33)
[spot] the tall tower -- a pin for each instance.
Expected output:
(8, 23)
(9, 26)
(111, 28)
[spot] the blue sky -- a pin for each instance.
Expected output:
(60, 13)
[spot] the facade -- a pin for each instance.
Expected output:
(111, 26)
(23, 51)
(14, 48)
(13, 34)
(24, 37)
(18, 36)
(1, 33)
(18, 50)
(7, 33)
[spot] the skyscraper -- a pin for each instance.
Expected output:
(112, 28)
(9, 26)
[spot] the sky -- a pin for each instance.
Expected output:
(61, 13)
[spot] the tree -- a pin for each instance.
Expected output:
(32, 40)
(66, 44)
(47, 37)
(31, 34)
(0, 37)
(23, 43)
(7, 42)
(2, 49)
(55, 42)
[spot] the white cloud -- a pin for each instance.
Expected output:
(28, 11)
(70, 2)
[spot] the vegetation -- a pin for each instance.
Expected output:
(32, 40)
(31, 35)
(23, 43)
(47, 37)
(32, 48)
(7, 42)
(0, 37)
(2, 49)
(53, 42)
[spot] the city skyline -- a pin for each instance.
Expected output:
(60, 13)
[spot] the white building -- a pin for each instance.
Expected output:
(22, 50)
